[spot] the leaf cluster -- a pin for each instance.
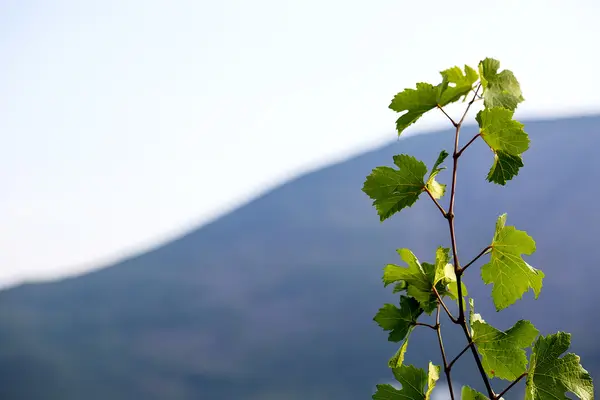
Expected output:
(424, 288)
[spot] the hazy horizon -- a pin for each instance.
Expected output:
(126, 126)
(194, 225)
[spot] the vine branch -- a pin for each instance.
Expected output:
(392, 191)
(444, 359)
(461, 320)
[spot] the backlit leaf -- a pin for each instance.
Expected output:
(509, 274)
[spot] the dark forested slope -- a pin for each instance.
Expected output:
(275, 300)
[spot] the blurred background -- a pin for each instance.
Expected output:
(181, 205)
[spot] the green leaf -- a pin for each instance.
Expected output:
(426, 97)
(432, 377)
(499, 89)
(394, 189)
(444, 271)
(504, 168)
(506, 270)
(471, 394)
(444, 274)
(473, 316)
(453, 292)
(501, 132)
(413, 382)
(415, 102)
(398, 320)
(398, 358)
(399, 287)
(462, 84)
(441, 157)
(506, 138)
(437, 189)
(419, 278)
(502, 353)
(430, 304)
(418, 283)
(388, 392)
(550, 377)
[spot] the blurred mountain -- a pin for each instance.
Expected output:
(275, 300)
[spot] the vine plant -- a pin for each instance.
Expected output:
(426, 287)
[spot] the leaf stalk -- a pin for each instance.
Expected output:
(524, 374)
(447, 368)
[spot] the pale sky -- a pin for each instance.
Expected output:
(124, 123)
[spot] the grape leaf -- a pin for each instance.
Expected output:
(436, 189)
(504, 168)
(426, 97)
(413, 382)
(550, 377)
(473, 316)
(471, 394)
(502, 352)
(418, 282)
(419, 277)
(391, 189)
(462, 84)
(398, 320)
(453, 292)
(444, 271)
(388, 392)
(506, 136)
(501, 132)
(430, 304)
(394, 189)
(398, 287)
(506, 270)
(499, 89)
(432, 377)
(415, 103)
(398, 358)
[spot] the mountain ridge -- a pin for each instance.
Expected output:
(193, 227)
(277, 297)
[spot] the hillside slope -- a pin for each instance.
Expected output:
(275, 300)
